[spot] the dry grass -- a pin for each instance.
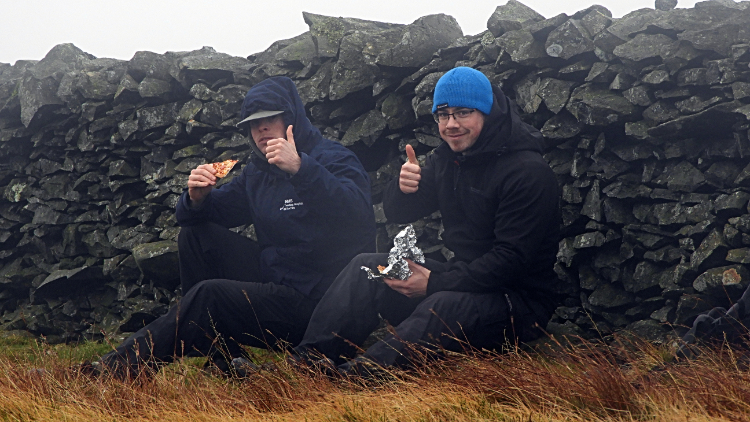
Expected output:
(622, 381)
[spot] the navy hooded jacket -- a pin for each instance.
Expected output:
(309, 225)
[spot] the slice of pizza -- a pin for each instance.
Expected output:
(223, 167)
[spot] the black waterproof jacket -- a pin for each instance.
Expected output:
(309, 225)
(499, 203)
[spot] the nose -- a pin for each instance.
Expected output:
(452, 122)
(260, 124)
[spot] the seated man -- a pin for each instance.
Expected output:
(499, 202)
(309, 199)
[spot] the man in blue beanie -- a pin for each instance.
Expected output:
(309, 200)
(499, 202)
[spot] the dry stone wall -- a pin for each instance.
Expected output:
(645, 116)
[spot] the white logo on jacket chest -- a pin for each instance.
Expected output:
(289, 204)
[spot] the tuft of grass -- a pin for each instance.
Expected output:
(625, 380)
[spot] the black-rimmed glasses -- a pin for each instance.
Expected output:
(442, 116)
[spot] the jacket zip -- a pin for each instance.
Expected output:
(456, 174)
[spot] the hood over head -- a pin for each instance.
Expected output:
(280, 94)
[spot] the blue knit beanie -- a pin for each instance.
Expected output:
(463, 87)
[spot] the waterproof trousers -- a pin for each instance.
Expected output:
(719, 323)
(348, 313)
(224, 305)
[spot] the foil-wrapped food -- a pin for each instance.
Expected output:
(404, 247)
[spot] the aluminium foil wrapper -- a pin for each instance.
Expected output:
(404, 247)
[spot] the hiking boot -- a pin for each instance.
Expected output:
(323, 365)
(216, 367)
(88, 369)
(364, 368)
(243, 368)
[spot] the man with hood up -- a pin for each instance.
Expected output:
(309, 200)
(499, 202)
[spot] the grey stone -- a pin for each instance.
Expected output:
(510, 17)
(397, 112)
(695, 104)
(523, 48)
(355, 68)
(740, 255)
(147, 64)
(656, 77)
(38, 100)
(718, 38)
(696, 76)
(158, 116)
(66, 282)
(600, 107)
(589, 240)
(649, 329)
(665, 4)
(660, 112)
(366, 128)
(563, 126)
(683, 177)
(592, 206)
(158, 260)
(569, 40)
(608, 295)
(555, 93)
(643, 47)
(151, 87)
(420, 40)
(733, 205)
(740, 90)
(643, 277)
(542, 28)
(721, 116)
(327, 32)
(207, 65)
(717, 281)
(317, 87)
(711, 252)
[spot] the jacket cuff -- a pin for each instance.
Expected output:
(435, 283)
(305, 170)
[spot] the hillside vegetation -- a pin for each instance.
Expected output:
(626, 380)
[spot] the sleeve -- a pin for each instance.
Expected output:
(402, 208)
(226, 205)
(337, 185)
(526, 217)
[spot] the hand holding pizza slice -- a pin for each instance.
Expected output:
(223, 167)
(203, 178)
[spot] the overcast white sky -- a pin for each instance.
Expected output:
(117, 29)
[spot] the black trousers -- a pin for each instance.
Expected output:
(719, 323)
(224, 305)
(348, 313)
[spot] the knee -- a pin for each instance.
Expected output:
(203, 291)
(187, 233)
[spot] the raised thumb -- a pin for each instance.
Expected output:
(411, 155)
(290, 134)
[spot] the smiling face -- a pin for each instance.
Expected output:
(461, 134)
(265, 129)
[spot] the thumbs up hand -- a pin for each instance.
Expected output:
(408, 179)
(283, 153)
